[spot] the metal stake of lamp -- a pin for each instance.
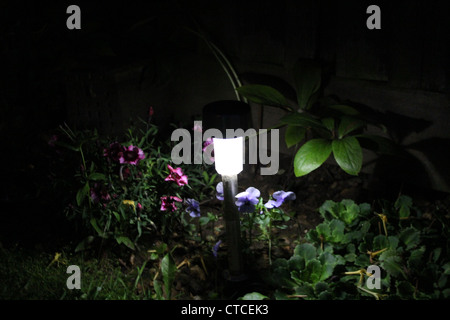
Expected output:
(228, 155)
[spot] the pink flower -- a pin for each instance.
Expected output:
(150, 111)
(131, 155)
(168, 203)
(177, 176)
(139, 207)
(207, 145)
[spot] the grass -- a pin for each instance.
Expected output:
(30, 275)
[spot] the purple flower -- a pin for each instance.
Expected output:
(177, 176)
(280, 197)
(219, 189)
(216, 248)
(52, 141)
(131, 155)
(247, 200)
(193, 208)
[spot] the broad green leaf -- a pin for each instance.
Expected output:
(307, 78)
(312, 272)
(254, 296)
(337, 231)
(416, 260)
(294, 135)
(393, 266)
(263, 94)
(380, 242)
(410, 237)
(311, 156)
(306, 250)
(126, 241)
(349, 211)
(168, 270)
(347, 125)
(328, 123)
(403, 204)
(446, 268)
(348, 154)
(301, 120)
(83, 192)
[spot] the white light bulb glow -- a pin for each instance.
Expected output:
(228, 155)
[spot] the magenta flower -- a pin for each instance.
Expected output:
(114, 152)
(207, 145)
(177, 176)
(132, 155)
(99, 194)
(168, 203)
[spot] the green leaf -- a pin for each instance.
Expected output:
(347, 125)
(410, 237)
(328, 123)
(253, 296)
(446, 268)
(97, 176)
(392, 266)
(306, 250)
(307, 79)
(126, 241)
(83, 192)
(168, 270)
(348, 154)
(294, 135)
(94, 224)
(403, 204)
(311, 156)
(301, 120)
(345, 109)
(263, 94)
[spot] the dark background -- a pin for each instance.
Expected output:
(131, 55)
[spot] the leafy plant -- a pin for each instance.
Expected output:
(333, 264)
(328, 126)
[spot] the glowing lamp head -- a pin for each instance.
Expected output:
(228, 155)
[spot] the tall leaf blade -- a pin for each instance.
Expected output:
(263, 94)
(348, 154)
(307, 77)
(311, 156)
(168, 269)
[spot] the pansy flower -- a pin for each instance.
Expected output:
(193, 208)
(177, 176)
(247, 200)
(219, 189)
(215, 248)
(168, 203)
(131, 155)
(278, 199)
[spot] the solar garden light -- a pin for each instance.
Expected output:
(228, 158)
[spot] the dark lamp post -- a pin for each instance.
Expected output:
(228, 158)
